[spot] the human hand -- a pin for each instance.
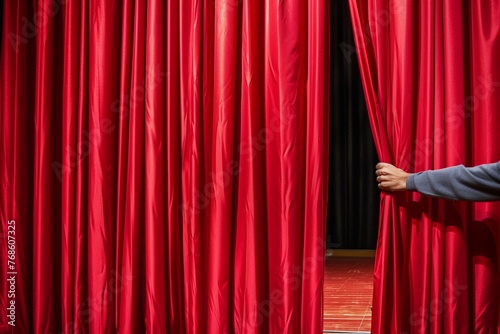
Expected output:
(390, 177)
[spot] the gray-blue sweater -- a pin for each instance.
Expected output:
(480, 183)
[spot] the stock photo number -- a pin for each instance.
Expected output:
(11, 272)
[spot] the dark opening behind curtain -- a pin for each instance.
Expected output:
(353, 204)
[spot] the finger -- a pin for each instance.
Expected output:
(381, 165)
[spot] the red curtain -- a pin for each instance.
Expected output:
(432, 82)
(163, 165)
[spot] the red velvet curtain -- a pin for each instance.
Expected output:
(163, 165)
(432, 82)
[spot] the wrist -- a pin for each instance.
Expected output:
(410, 182)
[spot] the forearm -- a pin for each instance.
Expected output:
(481, 183)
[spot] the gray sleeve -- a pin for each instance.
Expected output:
(480, 183)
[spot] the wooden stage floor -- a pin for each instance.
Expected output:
(348, 293)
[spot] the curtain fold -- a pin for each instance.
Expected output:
(431, 85)
(165, 165)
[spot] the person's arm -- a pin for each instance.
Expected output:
(480, 183)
